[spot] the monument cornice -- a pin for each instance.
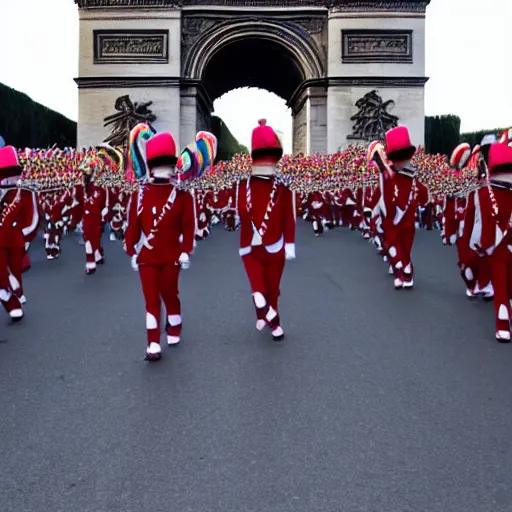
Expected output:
(337, 5)
(299, 96)
(121, 82)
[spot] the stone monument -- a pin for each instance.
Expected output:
(348, 69)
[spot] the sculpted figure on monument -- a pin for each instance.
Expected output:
(129, 115)
(373, 119)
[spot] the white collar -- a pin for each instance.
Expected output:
(264, 170)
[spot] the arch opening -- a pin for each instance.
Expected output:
(253, 62)
(240, 109)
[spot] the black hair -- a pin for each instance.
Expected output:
(160, 161)
(263, 152)
(402, 154)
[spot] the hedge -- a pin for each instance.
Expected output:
(227, 143)
(25, 123)
(442, 134)
(474, 138)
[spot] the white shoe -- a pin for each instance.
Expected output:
(278, 333)
(23, 299)
(390, 270)
(173, 340)
(503, 336)
(112, 237)
(470, 294)
(50, 257)
(408, 284)
(488, 291)
(16, 314)
(260, 325)
(399, 284)
(153, 352)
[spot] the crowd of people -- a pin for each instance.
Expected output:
(160, 203)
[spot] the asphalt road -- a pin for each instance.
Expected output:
(376, 401)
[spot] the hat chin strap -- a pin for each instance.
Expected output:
(263, 170)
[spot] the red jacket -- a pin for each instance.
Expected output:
(406, 200)
(449, 231)
(281, 222)
(12, 220)
(175, 232)
(491, 232)
(95, 200)
(30, 213)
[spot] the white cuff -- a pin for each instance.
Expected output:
(184, 260)
(289, 250)
(134, 263)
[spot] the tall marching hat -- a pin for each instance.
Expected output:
(161, 151)
(10, 168)
(500, 159)
(398, 144)
(265, 143)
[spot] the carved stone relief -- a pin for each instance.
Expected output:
(363, 46)
(373, 119)
(128, 115)
(131, 46)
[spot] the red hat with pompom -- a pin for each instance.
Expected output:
(161, 150)
(398, 144)
(265, 143)
(10, 168)
(500, 159)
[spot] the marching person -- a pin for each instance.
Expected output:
(402, 193)
(16, 221)
(267, 231)
(94, 210)
(492, 234)
(159, 238)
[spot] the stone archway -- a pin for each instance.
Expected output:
(276, 56)
(325, 57)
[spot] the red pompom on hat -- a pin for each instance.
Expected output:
(398, 144)
(500, 159)
(10, 168)
(161, 150)
(265, 143)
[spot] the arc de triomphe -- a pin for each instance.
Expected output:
(325, 58)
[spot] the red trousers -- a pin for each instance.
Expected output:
(53, 236)
(10, 260)
(474, 270)
(501, 275)
(399, 243)
(347, 215)
(160, 282)
(92, 238)
(264, 271)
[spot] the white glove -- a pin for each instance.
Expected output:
(184, 261)
(289, 251)
(104, 212)
(135, 267)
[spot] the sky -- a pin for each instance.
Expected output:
(468, 60)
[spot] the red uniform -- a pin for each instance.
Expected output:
(16, 222)
(267, 228)
(94, 212)
(159, 238)
(158, 258)
(492, 233)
